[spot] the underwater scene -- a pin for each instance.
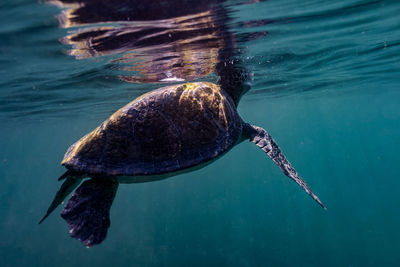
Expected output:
(199, 133)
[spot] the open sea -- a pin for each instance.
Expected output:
(326, 86)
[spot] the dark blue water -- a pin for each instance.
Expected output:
(326, 87)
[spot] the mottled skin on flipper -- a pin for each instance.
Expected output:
(88, 210)
(263, 140)
(166, 130)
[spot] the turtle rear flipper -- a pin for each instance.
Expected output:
(72, 181)
(88, 210)
(263, 140)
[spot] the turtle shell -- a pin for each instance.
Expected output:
(166, 130)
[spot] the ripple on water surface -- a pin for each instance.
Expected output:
(68, 58)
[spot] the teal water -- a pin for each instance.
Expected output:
(326, 86)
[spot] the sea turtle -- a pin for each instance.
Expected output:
(160, 134)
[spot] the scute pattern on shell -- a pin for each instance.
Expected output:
(166, 130)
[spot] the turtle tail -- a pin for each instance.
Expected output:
(88, 210)
(263, 140)
(71, 182)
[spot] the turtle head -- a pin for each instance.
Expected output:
(235, 80)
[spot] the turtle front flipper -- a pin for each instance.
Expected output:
(88, 210)
(263, 140)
